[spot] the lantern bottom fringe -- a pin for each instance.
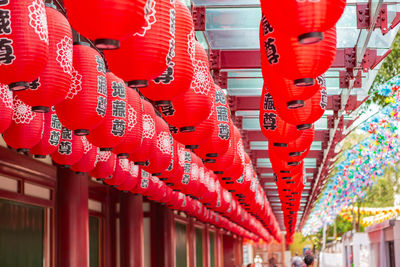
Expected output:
(64, 166)
(212, 155)
(80, 173)
(229, 182)
(106, 149)
(36, 156)
(123, 155)
(163, 179)
(141, 163)
(170, 184)
(304, 82)
(295, 104)
(81, 132)
(107, 44)
(138, 84)
(226, 179)
(210, 161)
(40, 109)
(302, 127)
(23, 150)
(187, 129)
(192, 146)
(232, 191)
(163, 103)
(311, 38)
(156, 174)
(18, 86)
(219, 172)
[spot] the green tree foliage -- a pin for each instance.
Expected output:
(390, 68)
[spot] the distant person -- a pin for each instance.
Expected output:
(273, 261)
(297, 261)
(309, 260)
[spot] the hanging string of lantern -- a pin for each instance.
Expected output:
(94, 123)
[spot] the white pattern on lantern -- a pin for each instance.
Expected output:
(149, 16)
(64, 54)
(133, 169)
(124, 164)
(76, 84)
(181, 155)
(38, 19)
(195, 172)
(191, 45)
(22, 112)
(103, 156)
(6, 96)
(164, 143)
(248, 174)
(149, 128)
(87, 146)
(201, 78)
(240, 150)
(132, 118)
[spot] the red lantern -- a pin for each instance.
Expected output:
(199, 136)
(174, 169)
(134, 126)
(295, 61)
(26, 128)
(121, 172)
(272, 125)
(112, 129)
(305, 20)
(218, 141)
(305, 116)
(70, 150)
(6, 107)
(144, 184)
(51, 136)
(160, 156)
(144, 56)
(284, 167)
(105, 165)
(24, 41)
(295, 150)
(182, 180)
(194, 106)
(221, 163)
(86, 103)
(114, 19)
(141, 155)
(88, 160)
(132, 179)
(176, 78)
(54, 82)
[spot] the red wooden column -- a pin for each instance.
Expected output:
(72, 219)
(109, 233)
(131, 230)
(191, 238)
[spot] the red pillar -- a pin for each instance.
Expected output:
(131, 230)
(110, 231)
(72, 215)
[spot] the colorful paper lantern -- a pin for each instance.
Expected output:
(85, 106)
(24, 42)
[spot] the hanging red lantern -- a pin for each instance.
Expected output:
(160, 156)
(272, 125)
(134, 126)
(295, 150)
(70, 150)
(24, 42)
(6, 107)
(298, 62)
(115, 19)
(174, 169)
(305, 20)
(54, 82)
(132, 180)
(176, 78)
(221, 163)
(112, 129)
(218, 141)
(304, 117)
(284, 167)
(181, 181)
(194, 106)
(199, 136)
(51, 136)
(121, 172)
(86, 103)
(26, 127)
(144, 184)
(144, 55)
(105, 165)
(141, 154)
(88, 160)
